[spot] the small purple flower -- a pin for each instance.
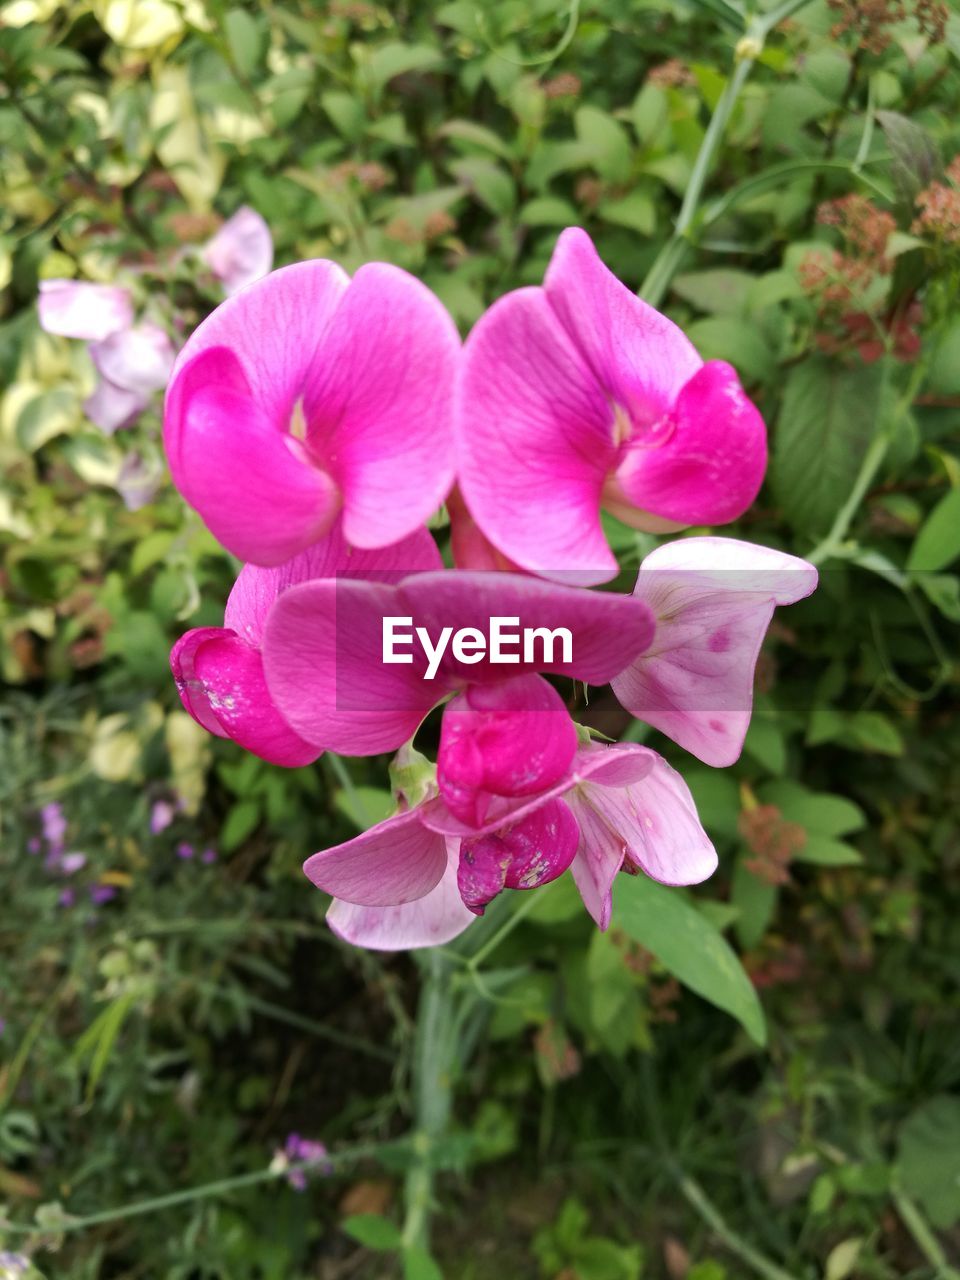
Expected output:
(34, 844)
(54, 824)
(185, 850)
(161, 815)
(3, 1025)
(208, 856)
(71, 863)
(101, 893)
(67, 898)
(13, 1265)
(304, 1151)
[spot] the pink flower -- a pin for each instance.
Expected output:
(419, 878)
(323, 661)
(310, 394)
(241, 251)
(219, 670)
(577, 396)
(713, 599)
(78, 309)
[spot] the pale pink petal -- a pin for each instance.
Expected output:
(274, 328)
(524, 855)
(535, 436)
(254, 486)
(78, 309)
(512, 738)
(599, 857)
(605, 632)
(639, 357)
(396, 861)
(241, 251)
(705, 459)
(111, 407)
(257, 587)
(220, 682)
(713, 599)
(138, 480)
(138, 359)
(323, 650)
(379, 404)
(429, 922)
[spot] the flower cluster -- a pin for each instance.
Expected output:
(317, 422)
(939, 205)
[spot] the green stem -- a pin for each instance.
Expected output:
(872, 461)
(222, 1187)
(433, 1066)
(698, 1199)
(924, 1238)
(523, 910)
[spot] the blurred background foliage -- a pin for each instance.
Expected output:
(173, 1007)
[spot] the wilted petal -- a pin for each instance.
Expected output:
(111, 407)
(138, 359)
(713, 599)
(535, 440)
(78, 309)
(138, 481)
(429, 922)
(512, 738)
(395, 862)
(705, 459)
(220, 682)
(528, 853)
(379, 404)
(241, 251)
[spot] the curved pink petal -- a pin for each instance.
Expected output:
(220, 682)
(431, 921)
(705, 460)
(536, 439)
(241, 251)
(639, 357)
(605, 630)
(379, 404)
(254, 486)
(396, 861)
(323, 650)
(138, 359)
(524, 855)
(257, 587)
(512, 738)
(78, 309)
(713, 599)
(470, 547)
(111, 408)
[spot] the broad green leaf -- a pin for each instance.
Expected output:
(365, 806)
(717, 799)
(718, 292)
(915, 160)
(372, 1230)
(96, 1043)
(606, 141)
(826, 852)
(489, 182)
(820, 812)
(937, 544)
(418, 1265)
(928, 1159)
(944, 376)
(828, 417)
(245, 39)
(737, 341)
(392, 60)
(548, 211)
(666, 923)
(755, 900)
(240, 822)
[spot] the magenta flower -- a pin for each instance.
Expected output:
(577, 396)
(219, 670)
(418, 878)
(323, 660)
(241, 251)
(310, 394)
(713, 599)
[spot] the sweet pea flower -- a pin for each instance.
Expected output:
(79, 309)
(241, 251)
(420, 877)
(579, 395)
(500, 736)
(219, 670)
(308, 395)
(713, 599)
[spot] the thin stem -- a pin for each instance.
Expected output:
(923, 1237)
(523, 910)
(872, 461)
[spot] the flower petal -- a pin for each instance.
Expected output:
(138, 359)
(241, 251)
(639, 357)
(379, 404)
(254, 486)
(524, 855)
(78, 309)
(713, 599)
(705, 462)
(110, 407)
(512, 738)
(429, 922)
(396, 861)
(535, 436)
(323, 648)
(220, 682)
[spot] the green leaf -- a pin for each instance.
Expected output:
(392, 60)
(245, 40)
(548, 211)
(365, 806)
(372, 1230)
(928, 1160)
(239, 823)
(737, 341)
(666, 923)
(937, 544)
(606, 141)
(915, 159)
(820, 812)
(418, 1265)
(99, 1038)
(826, 852)
(828, 417)
(755, 901)
(718, 292)
(636, 212)
(346, 111)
